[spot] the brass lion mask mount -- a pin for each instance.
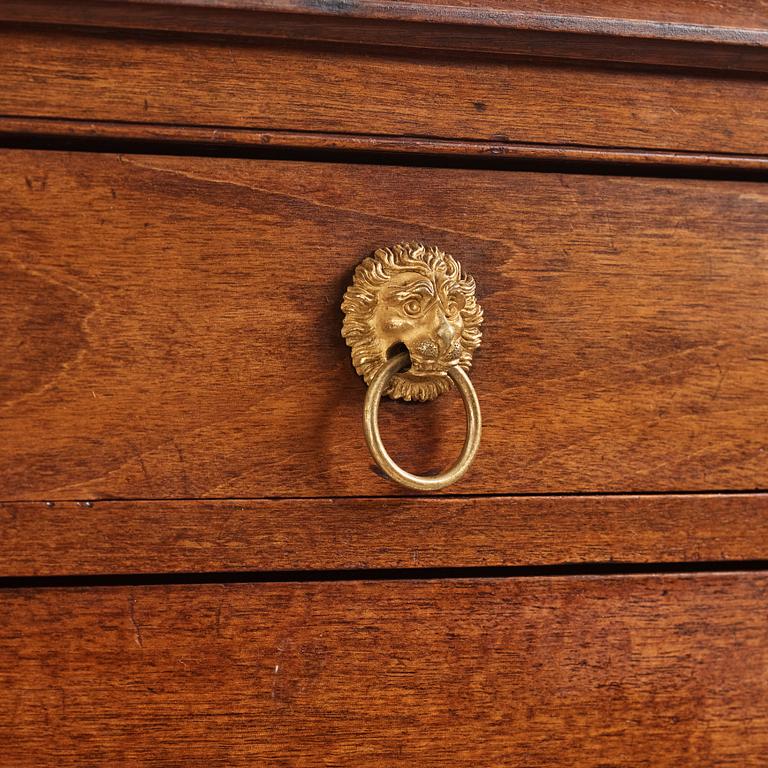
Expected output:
(416, 297)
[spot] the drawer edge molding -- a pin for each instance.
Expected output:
(481, 30)
(150, 537)
(89, 135)
(79, 73)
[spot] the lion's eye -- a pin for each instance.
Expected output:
(412, 307)
(454, 305)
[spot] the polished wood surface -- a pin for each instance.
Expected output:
(633, 671)
(725, 13)
(172, 328)
(352, 89)
(694, 16)
(695, 35)
(154, 537)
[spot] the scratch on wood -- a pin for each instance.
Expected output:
(184, 477)
(136, 629)
(722, 372)
(135, 449)
(303, 199)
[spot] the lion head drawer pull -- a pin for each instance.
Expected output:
(414, 296)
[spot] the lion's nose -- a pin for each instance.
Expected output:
(445, 333)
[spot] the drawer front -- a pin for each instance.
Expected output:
(641, 671)
(172, 328)
(379, 90)
(279, 535)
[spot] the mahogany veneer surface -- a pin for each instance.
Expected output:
(725, 13)
(382, 91)
(154, 537)
(695, 35)
(173, 328)
(630, 671)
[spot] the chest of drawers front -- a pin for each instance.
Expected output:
(201, 563)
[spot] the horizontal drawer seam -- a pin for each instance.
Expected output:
(382, 574)
(53, 133)
(708, 493)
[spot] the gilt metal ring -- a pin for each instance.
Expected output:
(378, 386)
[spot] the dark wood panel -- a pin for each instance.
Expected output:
(641, 671)
(293, 534)
(726, 13)
(279, 86)
(172, 328)
(731, 41)
(261, 142)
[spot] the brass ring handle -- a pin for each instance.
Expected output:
(378, 386)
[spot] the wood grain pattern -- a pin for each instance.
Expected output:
(725, 13)
(260, 142)
(734, 41)
(335, 88)
(293, 534)
(588, 672)
(693, 16)
(172, 328)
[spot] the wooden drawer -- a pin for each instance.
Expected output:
(172, 328)
(345, 536)
(440, 73)
(641, 671)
